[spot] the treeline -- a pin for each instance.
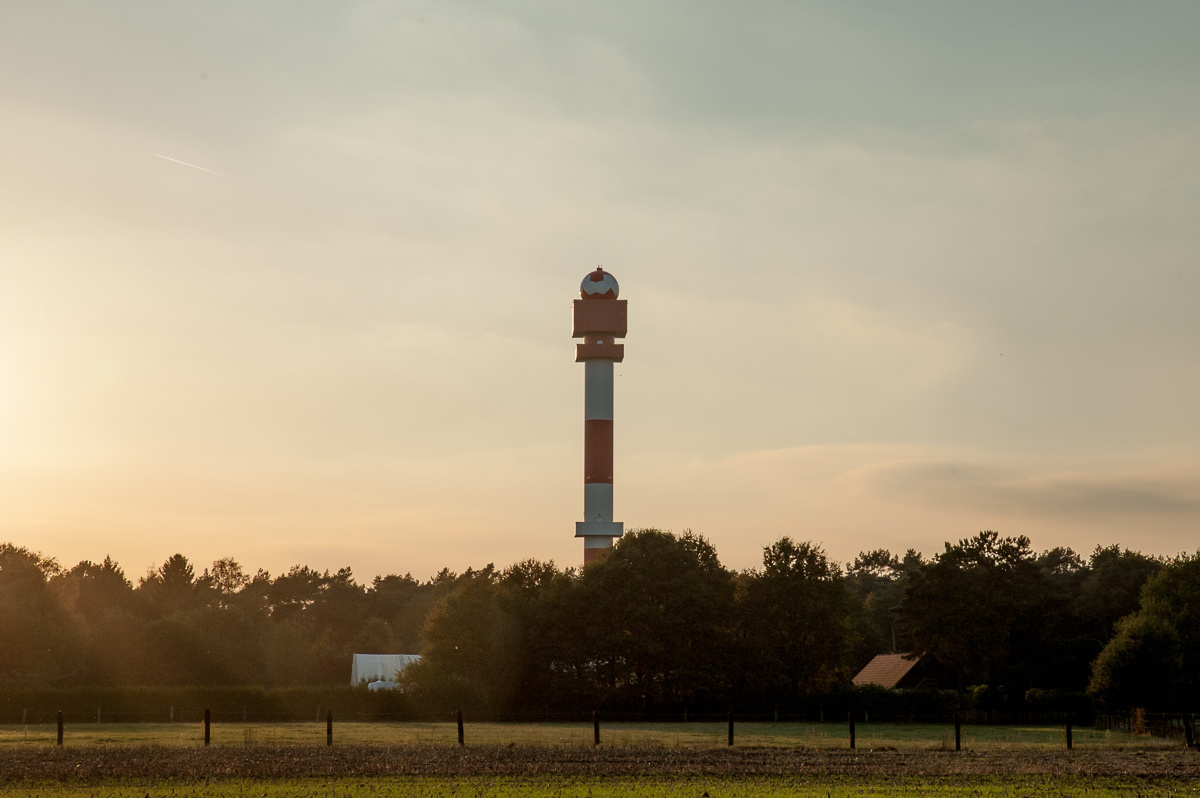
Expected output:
(222, 627)
(656, 625)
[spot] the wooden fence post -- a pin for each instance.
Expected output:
(207, 726)
(460, 729)
(595, 729)
(731, 730)
(850, 717)
(957, 732)
(1189, 730)
(329, 727)
(60, 727)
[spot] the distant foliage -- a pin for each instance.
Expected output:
(656, 624)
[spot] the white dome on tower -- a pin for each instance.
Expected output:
(599, 285)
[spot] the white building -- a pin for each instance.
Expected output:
(379, 667)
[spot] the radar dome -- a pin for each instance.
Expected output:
(599, 285)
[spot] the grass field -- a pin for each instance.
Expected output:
(679, 735)
(554, 761)
(644, 760)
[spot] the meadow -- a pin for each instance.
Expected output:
(380, 760)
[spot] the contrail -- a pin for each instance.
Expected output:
(201, 168)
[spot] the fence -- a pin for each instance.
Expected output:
(1178, 726)
(168, 705)
(191, 712)
(815, 722)
(853, 731)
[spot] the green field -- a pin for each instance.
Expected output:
(756, 735)
(379, 760)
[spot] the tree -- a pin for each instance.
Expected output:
(171, 587)
(292, 594)
(1064, 651)
(875, 582)
(316, 620)
(654, 621)
(338, 613)
(532, 592)
(472, 653)
(108, 619)
(1111, 589)
(94, 590)
(38, 641)
(1153, 659)
(1141, 665)
(402, 603)
(977, 610)
(795, 612)
(224, 580)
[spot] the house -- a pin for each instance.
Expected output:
(898, 672)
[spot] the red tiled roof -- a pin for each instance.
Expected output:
(887, 669)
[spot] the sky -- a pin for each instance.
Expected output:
(291, 282)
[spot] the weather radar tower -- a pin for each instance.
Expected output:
(599, 319)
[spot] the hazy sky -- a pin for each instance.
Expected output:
(897, 272)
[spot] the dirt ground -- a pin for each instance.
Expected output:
(263, 761)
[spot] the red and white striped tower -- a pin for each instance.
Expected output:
(599, 319)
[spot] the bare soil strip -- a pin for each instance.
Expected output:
(258, 761)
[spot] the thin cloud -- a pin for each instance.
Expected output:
(1011, 491)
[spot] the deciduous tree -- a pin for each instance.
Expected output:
(796, 611)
